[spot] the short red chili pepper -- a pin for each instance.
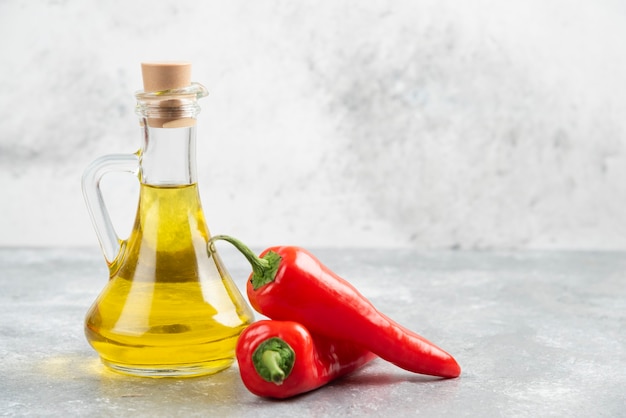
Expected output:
(280, 359)
(289, 283)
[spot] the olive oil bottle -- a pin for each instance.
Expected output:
(170, 307)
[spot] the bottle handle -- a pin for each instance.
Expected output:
(109, 240)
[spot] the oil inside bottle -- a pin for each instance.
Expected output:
(169, 308)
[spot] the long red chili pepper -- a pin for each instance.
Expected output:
(289, 283)
(280, 359)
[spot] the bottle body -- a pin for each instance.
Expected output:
(169, 308)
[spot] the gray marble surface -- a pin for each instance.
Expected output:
(537, 334)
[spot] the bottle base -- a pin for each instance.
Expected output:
(171, 370)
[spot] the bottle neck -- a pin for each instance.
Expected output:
(168, 120)
(168, 155)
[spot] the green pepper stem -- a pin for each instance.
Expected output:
(259, 265)
(263, 269)
(273, 360)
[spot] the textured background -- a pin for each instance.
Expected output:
(434, 124)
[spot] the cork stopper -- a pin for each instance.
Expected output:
(160, 76)
(167, 110)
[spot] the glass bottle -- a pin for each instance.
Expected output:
(170, 307)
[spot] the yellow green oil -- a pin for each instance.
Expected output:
(169, 308)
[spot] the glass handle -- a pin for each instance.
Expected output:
(109, 240)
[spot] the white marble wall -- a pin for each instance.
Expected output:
(435, 124)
